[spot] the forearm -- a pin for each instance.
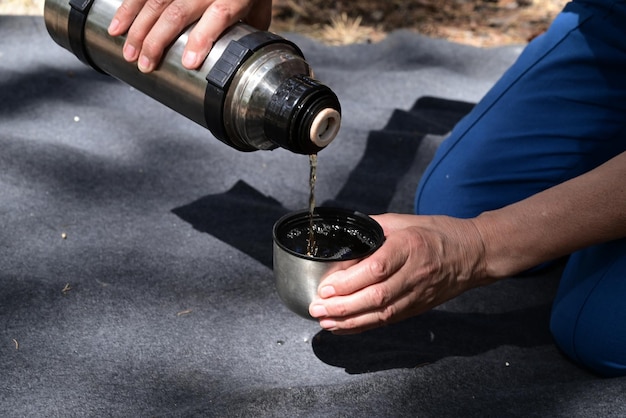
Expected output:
(586, 210)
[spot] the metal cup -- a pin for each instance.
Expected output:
(342, 237)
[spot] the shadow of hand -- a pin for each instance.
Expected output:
(432, 336)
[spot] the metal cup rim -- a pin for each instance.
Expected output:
(346, 216)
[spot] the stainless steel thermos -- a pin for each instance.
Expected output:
(255, 90)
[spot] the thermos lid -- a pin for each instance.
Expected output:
(302, 116)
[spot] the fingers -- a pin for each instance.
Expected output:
(382, 302)
(219, 16)
(353, 324)
(152, 25)
(124, 16)
(357, 311)
(363, 274)
(363, 294)
(378, 267)
(158, 23)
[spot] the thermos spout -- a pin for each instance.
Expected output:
(254, 91)
(325, 127)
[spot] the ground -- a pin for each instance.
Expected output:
(482, 23)
(475, 22)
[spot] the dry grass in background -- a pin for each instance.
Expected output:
(21, 7)
(473, 22)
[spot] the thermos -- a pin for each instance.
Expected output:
(254, 91)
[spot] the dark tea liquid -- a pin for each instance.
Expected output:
(311, 245)
(332, 242)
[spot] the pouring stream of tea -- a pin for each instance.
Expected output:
(311, 249)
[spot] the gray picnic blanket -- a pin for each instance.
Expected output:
(135, 253)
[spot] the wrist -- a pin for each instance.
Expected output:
(465, 243)
(501, 257)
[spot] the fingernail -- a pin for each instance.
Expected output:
(327, 291)
(130, 53)
(144, 64)
(189, 59)
(115, 23)
(318, 311)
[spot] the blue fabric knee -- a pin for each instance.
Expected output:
(555, 114)
(588, 319)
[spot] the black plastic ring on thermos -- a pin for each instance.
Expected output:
(79, 9)
(221, 75)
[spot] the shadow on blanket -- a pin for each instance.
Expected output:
(433, 336)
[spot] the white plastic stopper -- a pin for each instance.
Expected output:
(325, 127)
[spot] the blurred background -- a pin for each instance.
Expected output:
(483, 23)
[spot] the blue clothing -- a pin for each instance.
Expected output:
(558, 112)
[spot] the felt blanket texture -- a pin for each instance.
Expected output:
(136, 266)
